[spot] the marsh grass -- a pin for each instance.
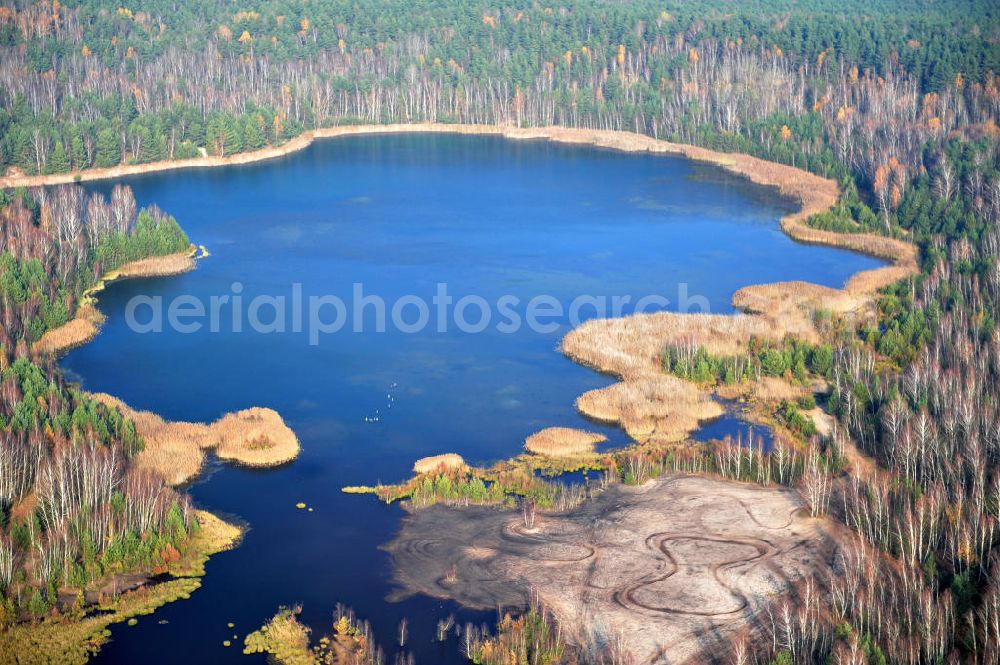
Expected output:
(176, 450)
(157, 266)
(503, 484)
(563, 442)
(87, 320)
(658, 408)
(288, 641)
(75, 332)
(444, 462)
(284, 638)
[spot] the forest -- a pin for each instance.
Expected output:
(73, 510)
(897, 100)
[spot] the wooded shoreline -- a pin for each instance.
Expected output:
(815, 193)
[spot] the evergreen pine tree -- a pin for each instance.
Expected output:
(58, 160)
(108, 153)
(231, 136)
(79, 152)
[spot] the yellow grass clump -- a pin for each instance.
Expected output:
(439, 463)
(176, 450)
(655, 409)
(284, 638)
(789, 308)
(563, 442)
(88, 319)
(76, 332)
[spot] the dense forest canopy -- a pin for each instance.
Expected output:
(897, 100)
(919, 37)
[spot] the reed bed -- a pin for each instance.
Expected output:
(76, 332)
(563, 442)
(176, 450)
(632, 347)
(651, 408)
(284, 638)
(255, 437)
(439, 463)
(771, 389)
(88, 319)
(789, 308)
(661, 409)
(157, 266)
(648, 404)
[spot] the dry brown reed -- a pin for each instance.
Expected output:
(655, 409)
(80, 330)
(157, 266)
(652, 407)
(789, 308)
(176, 450)
(255, 437)
(563, 442)
(773, 389)
(439, 463)
(88, 319)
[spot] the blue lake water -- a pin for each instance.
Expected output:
(399, 216)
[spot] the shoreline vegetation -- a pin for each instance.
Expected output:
(652, 406)
(74, 637)
(172, 451)
(254, 437)
(288, 641)
(87, 322)
(816, 194)
(649, 404)
(563, 442)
